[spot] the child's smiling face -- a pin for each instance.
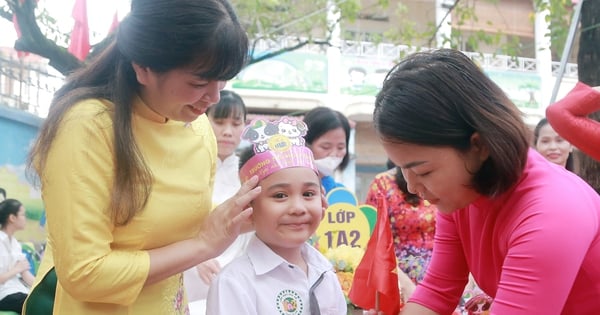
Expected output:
(289, 209)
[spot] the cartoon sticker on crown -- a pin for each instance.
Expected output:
(275, 135)
(277, 144)
(258, 133)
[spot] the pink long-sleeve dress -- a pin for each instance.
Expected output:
(535, 249)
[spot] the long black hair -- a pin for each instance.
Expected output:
(8, 207)
(203, 36)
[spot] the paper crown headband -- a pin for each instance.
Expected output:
(277, 145)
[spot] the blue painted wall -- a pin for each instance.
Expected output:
(18, 130)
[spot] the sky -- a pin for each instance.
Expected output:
(100, 16)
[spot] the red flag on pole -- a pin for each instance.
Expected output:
(80, 37)
(376, 277)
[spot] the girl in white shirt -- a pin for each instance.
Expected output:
(228, 119)
(14, 267)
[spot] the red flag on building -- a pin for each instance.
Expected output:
(80, 37)
(376, 277)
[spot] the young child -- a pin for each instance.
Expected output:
(279, 273)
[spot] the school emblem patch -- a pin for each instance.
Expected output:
(289, 303)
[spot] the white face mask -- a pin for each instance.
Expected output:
(327, 166)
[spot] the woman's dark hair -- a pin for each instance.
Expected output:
(230, 105)
(412, 199)
(441, 98)
(8, 207)
(162, 35)
(320, 120)
(536, 135)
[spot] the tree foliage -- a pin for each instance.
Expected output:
(306, 22)
(301, 22)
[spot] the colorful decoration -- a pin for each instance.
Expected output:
(343, 234)
(277, 144)
(345, 222)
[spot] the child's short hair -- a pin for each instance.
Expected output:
(246, 154)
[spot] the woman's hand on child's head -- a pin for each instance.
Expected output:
(208, 270)
(227, 220)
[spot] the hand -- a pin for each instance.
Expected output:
(478, 304)
(225, 222)
(208, 270)
(21, 266)
(406, 285)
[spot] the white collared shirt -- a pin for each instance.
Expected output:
(227, 180)
(262, 282)
(10, 253)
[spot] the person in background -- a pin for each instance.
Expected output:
(552, 146)
(503, 214)
(280, 273)
(569, 117)
(14, 267)
(126, 161)
(412, 222)
(228, 119)
(328, 136)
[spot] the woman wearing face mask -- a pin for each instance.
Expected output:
(327, 136)
(552, 146)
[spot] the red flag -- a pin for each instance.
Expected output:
(376, 273)
(115, 23)
(21, 54)
(80, 37)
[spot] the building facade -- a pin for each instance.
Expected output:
(348, 75)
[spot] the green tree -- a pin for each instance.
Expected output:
(303, 22)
